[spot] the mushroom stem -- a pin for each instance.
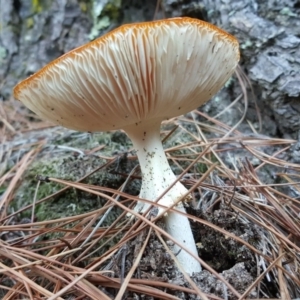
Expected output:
(157, 176)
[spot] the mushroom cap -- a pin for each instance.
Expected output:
(140, 72)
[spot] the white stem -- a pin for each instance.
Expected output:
(157, 176)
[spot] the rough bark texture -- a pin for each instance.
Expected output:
(32, 33)
(35, 32)
(269, 33)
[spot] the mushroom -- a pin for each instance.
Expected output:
(133, 78)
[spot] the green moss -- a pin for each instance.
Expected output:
(104, 15)
(29, 23)
(61, 158)
(112, 9)
(25, 195)
(59, 161)
(71, 202)
(36, 6)
(85, 5)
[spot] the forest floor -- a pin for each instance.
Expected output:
(64, 233)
